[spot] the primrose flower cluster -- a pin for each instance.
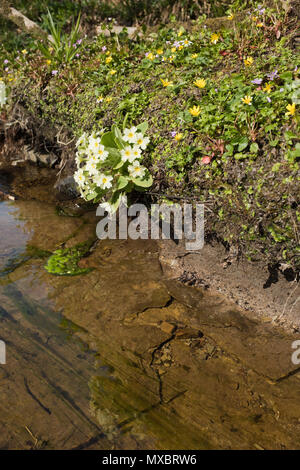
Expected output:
(109, 164)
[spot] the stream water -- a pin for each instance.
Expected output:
(123, 358)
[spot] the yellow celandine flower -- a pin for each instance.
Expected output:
(108, 60)
(166, 82)
(194, 56)
(195, 111)
(24, 51)
(200, 83)
(214, 38)
(171, 58)
(268, 87)
(100, 99)
(180, 33)
(230, 17)
(291, 109)
(180, 47)
(150, 56)
(259, 25)
(173, 49)
(108, 99)
(112, 72)
(254, 18)
(178, 137)
(159, 51)
(48, 61)
(248, 61)
(107, 53)
(247, 100)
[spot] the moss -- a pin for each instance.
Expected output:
(64, 262)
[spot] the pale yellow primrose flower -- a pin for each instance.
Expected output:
(127, 154)
(79, 177)
(136, 170)
(104, 181)
(130, 135)
(142, 141)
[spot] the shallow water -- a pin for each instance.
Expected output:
(122, 358)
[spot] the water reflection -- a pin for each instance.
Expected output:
(123, 358)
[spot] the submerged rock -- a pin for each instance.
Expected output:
(66, 188)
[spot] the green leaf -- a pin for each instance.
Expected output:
(122, 182)
(118, 137)
(115, 200)
(91, 196)
(145, 183)
(276, 167)
(108, 140)
(243, 144)
(286, 76)
(254, 147)
(119, 165)
(143, 127)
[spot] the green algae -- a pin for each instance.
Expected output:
(64, 262)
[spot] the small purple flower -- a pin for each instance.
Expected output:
(281, 90)
(77, 55)
(272, 75)
(295, 69)
(104, 48)
(74, 45)
(54, 72)
(79, 41)
(269, 99)
(257, 81)
(216, 90)
(5, 61)
(6, 69)
(173, 133)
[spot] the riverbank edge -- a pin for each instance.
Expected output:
(269, 294)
